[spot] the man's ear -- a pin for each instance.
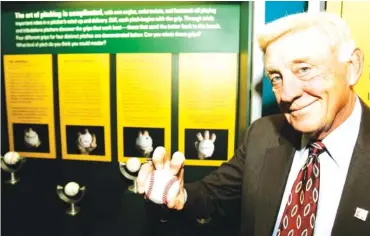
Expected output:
(356, 64)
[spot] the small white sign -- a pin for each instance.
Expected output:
(361, 213)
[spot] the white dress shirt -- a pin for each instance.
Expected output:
(333, 171)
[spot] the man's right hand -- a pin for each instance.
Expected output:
(161, 160)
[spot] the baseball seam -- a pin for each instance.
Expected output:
(167, 189)
(150, 188)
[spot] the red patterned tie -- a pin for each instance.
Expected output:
(300, 211)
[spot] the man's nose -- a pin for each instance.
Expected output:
(291, 88)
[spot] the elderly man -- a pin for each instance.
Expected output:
(305, 171)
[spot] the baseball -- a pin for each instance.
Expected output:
(85, 140)
(161, 186)
(133, 164)
(31, 138)
(206, 147)
(71, 189)
(11, 158)
(144, 141)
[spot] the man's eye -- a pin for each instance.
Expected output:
(275, 80)
(303, 70)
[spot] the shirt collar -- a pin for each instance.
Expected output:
(342, 138)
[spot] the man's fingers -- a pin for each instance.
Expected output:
(177, 163)
(180, 176)
(144, 172)
(177, 168)
(178, 203)
(171, 204)
(159, 158)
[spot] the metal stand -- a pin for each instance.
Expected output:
(73, 210)
(133, 188)
(12, 169)
(13, 180)
(203, 221)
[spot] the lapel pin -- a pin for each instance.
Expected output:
(361, 213)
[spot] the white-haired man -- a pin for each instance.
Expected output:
(305, 171)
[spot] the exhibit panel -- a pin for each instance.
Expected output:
(117, 70)
(143, 104)
(84, 101)
(356, 14)
(30, 105)
(208, 85)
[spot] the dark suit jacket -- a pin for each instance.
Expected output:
(252, 183)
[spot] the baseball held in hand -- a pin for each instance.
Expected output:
(133, 164)
(11, 158)
(161, 187)
(85, 139)
(71, 189)
(31, 138)
(144, 142)
(206, 147)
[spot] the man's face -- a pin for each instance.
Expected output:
(309, 82)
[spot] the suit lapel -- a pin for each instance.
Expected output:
(356, 191)
(275, 171)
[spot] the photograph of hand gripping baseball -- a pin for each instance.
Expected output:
(86, 142)
(205, 145)
(31, 138)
